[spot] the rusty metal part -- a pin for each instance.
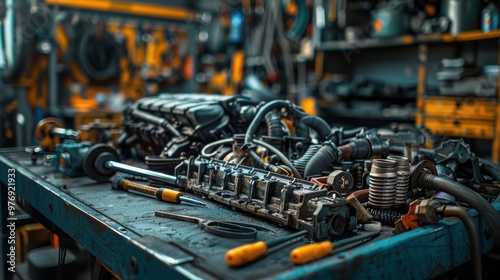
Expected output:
(363, 215)
(48, 140)
(427, 213)
(408, 221)
(361, 195)
(383, 182)
(340, 181)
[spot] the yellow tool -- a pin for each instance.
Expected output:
(316, 251)
(250, 252)
(162, 194)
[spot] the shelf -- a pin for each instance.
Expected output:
(408, 40)
(373, 116)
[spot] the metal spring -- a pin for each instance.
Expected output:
(383, 181)
(302, 162)
(403, 179)
(385, 216)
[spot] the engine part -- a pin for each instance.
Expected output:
(403, 179)
(430, 212)
(385, 216)
(340, 181)
(288, 201)
(50, 132)
(100, 164)
(424, 178)
(383, 183)
(363, 215)
(365, 146)
(408, 221)
(301, 163)
(69, 156)
(172, 124)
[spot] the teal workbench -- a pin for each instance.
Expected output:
(120, 230)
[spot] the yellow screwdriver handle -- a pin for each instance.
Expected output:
(168, 195)
(311, 252)
(246, 253)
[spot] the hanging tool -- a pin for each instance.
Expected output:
(316, 251)
(250, 252)
(161, 194)
(233, 230)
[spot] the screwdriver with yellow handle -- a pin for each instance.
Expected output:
(161, 194)
(316, 251)
(250, 252)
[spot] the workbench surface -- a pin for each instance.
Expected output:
(121, 230)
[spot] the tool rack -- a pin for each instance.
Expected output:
(121, 231)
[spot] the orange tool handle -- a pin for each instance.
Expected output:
(246, 253)
(161, 193)
(311, 252)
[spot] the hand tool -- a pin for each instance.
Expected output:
(316, 251)
(250, 252)
(100, 164)
(162, 194)
(233, 230)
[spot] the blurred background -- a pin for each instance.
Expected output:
(373, 63)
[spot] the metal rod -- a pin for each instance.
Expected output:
(168, 179)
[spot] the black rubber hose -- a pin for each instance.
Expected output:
(282, 157)
(156, 121)
(470, 226)
(254, 125)
(318, 124)
(320, 161)
(491, 168)
(464, 194)
(301, 163)
(273, 121)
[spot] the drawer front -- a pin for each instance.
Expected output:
(461, 128)
(460, 108)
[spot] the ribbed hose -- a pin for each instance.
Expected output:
(464, 194)
(321, 160)
(252, 128)
(302, 162)
(273, 121)
(470, 226)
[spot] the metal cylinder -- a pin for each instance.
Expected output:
(383, 182)
(403, 179)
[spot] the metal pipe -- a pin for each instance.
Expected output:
(120, 167)
(470, 226)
